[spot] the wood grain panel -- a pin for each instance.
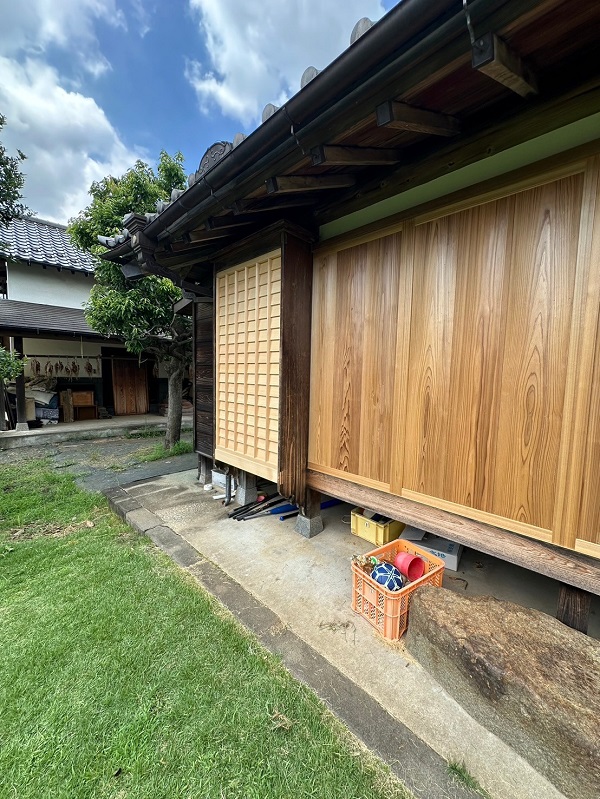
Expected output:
(539, 304)
(247, 365)
(478, 344)
(355, 309)
(430, 357)
(577, 513)
(347, 383)
(379, 347)
(323, 368)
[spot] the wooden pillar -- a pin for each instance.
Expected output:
(573, 607)
(204, 469)
(246, 489)
(22, 425)
(296, 307)
(309, 522)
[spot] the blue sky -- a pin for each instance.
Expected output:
(88, 86)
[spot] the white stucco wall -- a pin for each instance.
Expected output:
(33, 283)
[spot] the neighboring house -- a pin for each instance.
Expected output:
(396, 279)
(44, 282)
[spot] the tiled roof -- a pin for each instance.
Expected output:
(36, 318)
(30, 239)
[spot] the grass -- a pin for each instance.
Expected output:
(121, 679)
(159, 452)
(458, 771)
(149, 433)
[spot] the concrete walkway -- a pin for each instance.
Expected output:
(86, 430)
(294, 594)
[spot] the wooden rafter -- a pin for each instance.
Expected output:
(196, 236)
(289, 184)
(353, 156)
(258, 205)
(493, 57)
(406, 117)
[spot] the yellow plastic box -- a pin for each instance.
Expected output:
(375, 532)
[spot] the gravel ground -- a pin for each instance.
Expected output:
(105, 462)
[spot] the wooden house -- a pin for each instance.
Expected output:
(395, 282)
(45, 280)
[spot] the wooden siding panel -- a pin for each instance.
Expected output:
(430, 357)
(577, 512)
(539, 306)
(355, 308)
(493, 363)
(478, 345)
(379, 347)
(346, 413)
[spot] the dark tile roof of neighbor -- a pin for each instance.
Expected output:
(33, 317)
(37, 241)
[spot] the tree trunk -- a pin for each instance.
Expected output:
(175, 377)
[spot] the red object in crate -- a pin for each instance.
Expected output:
(387, 610)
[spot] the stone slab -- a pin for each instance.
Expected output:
(529, 679)
(142, 520)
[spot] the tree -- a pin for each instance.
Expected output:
(139, 312)
(12, 181)
(11, 366)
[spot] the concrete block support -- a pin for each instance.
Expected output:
(204, 469)
(309, 521)
(246, 488)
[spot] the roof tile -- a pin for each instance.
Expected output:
(31, 239)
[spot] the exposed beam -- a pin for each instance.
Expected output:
(223, 222)
(493, 57)
(432, 161)
(196, 236)
(287, 184)
(402, 116)
(552, 561)
(355, 156)
(252, 204)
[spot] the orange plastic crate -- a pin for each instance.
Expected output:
(387, 610)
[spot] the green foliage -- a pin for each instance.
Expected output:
(159, 452)
(140, 312)
(113, 198)
(12, 181)
(11, 364)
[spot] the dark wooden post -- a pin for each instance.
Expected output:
(22, 425)
(573, 607)
(309, 522)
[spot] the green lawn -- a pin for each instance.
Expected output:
(120, 678)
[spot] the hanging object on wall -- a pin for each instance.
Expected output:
(35, 365)
(155, 369)
(74, 368)
(89, 368)
(67, 370)
(49, 369)
(56, 367)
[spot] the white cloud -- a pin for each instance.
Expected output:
(258, 50)
(37, 25)
(67, 138)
